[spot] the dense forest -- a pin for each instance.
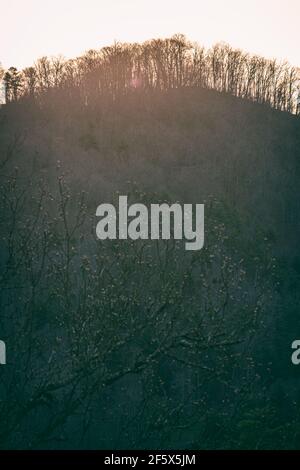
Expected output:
(140, 344)
(160, 64)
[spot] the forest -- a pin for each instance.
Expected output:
(141, 344)
(160, 64)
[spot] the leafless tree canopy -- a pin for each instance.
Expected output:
(159, 64)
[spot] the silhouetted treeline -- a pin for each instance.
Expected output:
(140, 344)
(159, 64)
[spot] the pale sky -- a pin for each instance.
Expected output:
(33, 28)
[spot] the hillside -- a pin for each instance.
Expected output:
(178, 350)
(187, 142)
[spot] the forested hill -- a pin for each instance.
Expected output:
(161, 64)
(189, 142)
(138, 344)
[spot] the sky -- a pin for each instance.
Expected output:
(34, 28)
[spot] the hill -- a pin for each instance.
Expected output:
(173, 349)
